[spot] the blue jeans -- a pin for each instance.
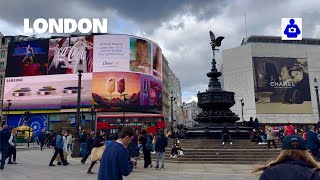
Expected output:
(83, 149)
(226, 138)
(69, 147)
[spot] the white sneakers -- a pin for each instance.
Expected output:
(223, 143)
(260, 143)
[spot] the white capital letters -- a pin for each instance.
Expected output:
(54, 25)
(36, 25)
(102, 27)
(82, 22)
(26, 26)
(67, 23)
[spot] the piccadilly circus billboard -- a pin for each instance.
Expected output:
(120, 72)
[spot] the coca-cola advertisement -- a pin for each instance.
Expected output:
(66, 53)
(27, 58)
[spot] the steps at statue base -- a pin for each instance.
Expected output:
(212, 151)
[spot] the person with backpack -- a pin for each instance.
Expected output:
(146, 141)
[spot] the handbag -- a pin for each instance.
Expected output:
(96, 153)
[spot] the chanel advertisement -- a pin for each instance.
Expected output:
(281, 85)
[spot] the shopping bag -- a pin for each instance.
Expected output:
(96, 153)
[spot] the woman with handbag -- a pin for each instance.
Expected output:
(97, 142)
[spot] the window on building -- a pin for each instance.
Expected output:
(2, 65)
(2, 53)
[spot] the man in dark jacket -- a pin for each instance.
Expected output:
(115, 161)
(133, 149)
(4, 140)
(160, 147)
(313, 142)
(42, 138)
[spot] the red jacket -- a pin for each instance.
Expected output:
(289, 131)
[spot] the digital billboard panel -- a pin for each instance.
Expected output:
(65, 54)
(27, 58)
(157, 61)
(140, 55)
(281, 85)
(47, 92)
(111, 53)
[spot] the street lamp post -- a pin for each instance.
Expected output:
(242, 104)
(93, 124)
(76, 149)
(316, 86)
(172, 99)
(8, 110)
(123, 108)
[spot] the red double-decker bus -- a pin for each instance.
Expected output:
(111, 123)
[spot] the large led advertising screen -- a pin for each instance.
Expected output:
(281, 85)
(124, 91)
(27, 58)
(43, 74)
(47, 92)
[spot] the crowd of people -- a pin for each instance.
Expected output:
(118, 153)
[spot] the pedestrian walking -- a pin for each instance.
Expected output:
(83, 140)
(89, 147)
(97, 142)
(42, 139)
(12, 147)
(160, 147)
(270, 136)
(69, 143)
(133, 149)
(313, 142)
(4, 140)
(294, 162)
(146, 141)
(115, 162)
(59, 149)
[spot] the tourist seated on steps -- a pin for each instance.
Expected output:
(225, 136)
(176, 149)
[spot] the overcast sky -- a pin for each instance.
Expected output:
(180, 27)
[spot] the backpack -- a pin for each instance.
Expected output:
(149, 145)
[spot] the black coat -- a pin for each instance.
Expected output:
(89, 144)
(161, 143)
(4, 138)
(42, 137)
(97, 142)
(133, 148)
(290, 169)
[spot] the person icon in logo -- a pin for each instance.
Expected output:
(292, 30)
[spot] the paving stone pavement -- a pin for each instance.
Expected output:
(33, 165)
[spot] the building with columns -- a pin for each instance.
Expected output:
(274, 78)
(190, 112)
